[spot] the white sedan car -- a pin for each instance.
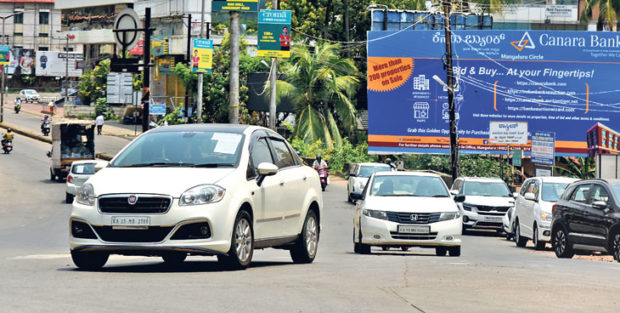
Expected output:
(79, 173)
(359, 174)
(404, 209)
(532, 216)
(183, 190)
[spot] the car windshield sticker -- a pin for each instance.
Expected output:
(226, 143)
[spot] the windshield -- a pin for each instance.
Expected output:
(85, 169)
(553, 191)
(182, 149)
(367, 170)
(416, 186)
(617, 191)
(30, 92)
(486, 189)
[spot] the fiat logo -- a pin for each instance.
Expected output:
(132, 199)
(414, 217)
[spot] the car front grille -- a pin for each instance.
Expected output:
(413, 218)
(144, 204)
(152, 234)
(493, 210)
(401, 236)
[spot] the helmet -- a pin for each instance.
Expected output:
(9, 130)
(46, 116)
(318, 156)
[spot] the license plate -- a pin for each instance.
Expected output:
(131, 220)
(493, 219)
(414, 229)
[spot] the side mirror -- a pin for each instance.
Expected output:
(459, 198)
(265, 169)
(600, 205)
(49, 154)
(530, 196)
(454, 192)
(356, 196)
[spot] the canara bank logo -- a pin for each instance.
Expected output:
(525, 42)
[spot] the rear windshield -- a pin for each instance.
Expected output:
(86, 169)
(486, 189)
(367, 170)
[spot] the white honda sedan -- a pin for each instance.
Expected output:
(183, 190)
(404, 209)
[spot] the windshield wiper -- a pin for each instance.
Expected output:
(159, 164)
(214, 165)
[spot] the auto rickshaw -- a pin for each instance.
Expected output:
(71, 141)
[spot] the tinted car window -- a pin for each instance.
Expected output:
(260, 153)
(283, 155)
(598, 193)
(581, 193)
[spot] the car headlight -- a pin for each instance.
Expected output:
(446, 216)
(86, 195)
(382, 215)
(546, 216)
(202, 195)
(469, 208)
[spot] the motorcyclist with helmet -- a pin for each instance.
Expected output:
(8, 136)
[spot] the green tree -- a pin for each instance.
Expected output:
(583, 168)
(320, 83)
(608, 17)
(93, 83)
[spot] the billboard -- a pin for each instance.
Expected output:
(55, 64)
(5, 55)
(274, 36)
(202, 57)
(21, 61)
(234, 5)
(562, 82)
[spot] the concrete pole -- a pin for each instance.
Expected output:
(200, 75)
(272, 83)
(233, 107)
(454, 149)
(66, 69)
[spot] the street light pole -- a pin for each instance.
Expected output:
(272, 83)
(66, 69)
(200, 74)
(4, 69)
(454, 150)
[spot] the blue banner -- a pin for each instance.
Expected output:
(562, 82)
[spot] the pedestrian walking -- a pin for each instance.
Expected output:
(99, 123)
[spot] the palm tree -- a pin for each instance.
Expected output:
(582, 168)
(608, 12)
(320, 83)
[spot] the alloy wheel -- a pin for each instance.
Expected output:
(243, 240)
(311, 235)
(616, 247)
(559, 242)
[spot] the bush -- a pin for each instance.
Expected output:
(102, 108)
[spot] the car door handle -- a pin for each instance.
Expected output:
(305, 177)
(281, 183)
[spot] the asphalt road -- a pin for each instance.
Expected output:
(492, 275)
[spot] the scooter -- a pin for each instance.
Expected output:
(17, 107)
(7, 146)
(323, 176)
(45, 128)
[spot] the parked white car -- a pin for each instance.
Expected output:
(359, 174)
(404, 209)
(532, 218)
(482, 201)
(199, 189)
(79, 173)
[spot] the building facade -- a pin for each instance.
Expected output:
(34, 25)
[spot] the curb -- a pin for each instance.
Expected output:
(26, 133)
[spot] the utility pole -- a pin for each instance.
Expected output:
(346, 25)
(188, 57)
(146, 74)
(200, 75)
(273, 77)
(66, 69)
(4, 69)
(454, 152)
(233, 107)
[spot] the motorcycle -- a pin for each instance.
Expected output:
(323, 176)
(17, 107)
(7, 146)
(45, 128)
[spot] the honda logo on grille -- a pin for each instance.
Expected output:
(414, 217)
(133, 199)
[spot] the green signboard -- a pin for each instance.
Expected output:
(274, 33)
(234, 5)
(517, 155)
(5, 54)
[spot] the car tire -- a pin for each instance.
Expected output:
(89, 260)
(615, 245)
(356, 246)
(364, 249)
(538, 245)
(519, 240)
(241, 243)
(68, 197)
(441, 251)
(307, 244)
(561, 244)
(463, 229)
(174, 258)
(52, 175)
(349, 200)
(455, 251)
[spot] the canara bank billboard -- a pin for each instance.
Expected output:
(562, 82)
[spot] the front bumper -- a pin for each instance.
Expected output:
(544, 231)
(378, 232)
(479, 220)
(160, 236)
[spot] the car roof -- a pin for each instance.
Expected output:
(483, 179)
(557, 179)
(228, 128)
(373, 164)
(406, 173)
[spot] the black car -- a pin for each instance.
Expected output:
(587, 217)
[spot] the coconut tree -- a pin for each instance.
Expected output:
(608, 16)
(583, 168)
(320, 83)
